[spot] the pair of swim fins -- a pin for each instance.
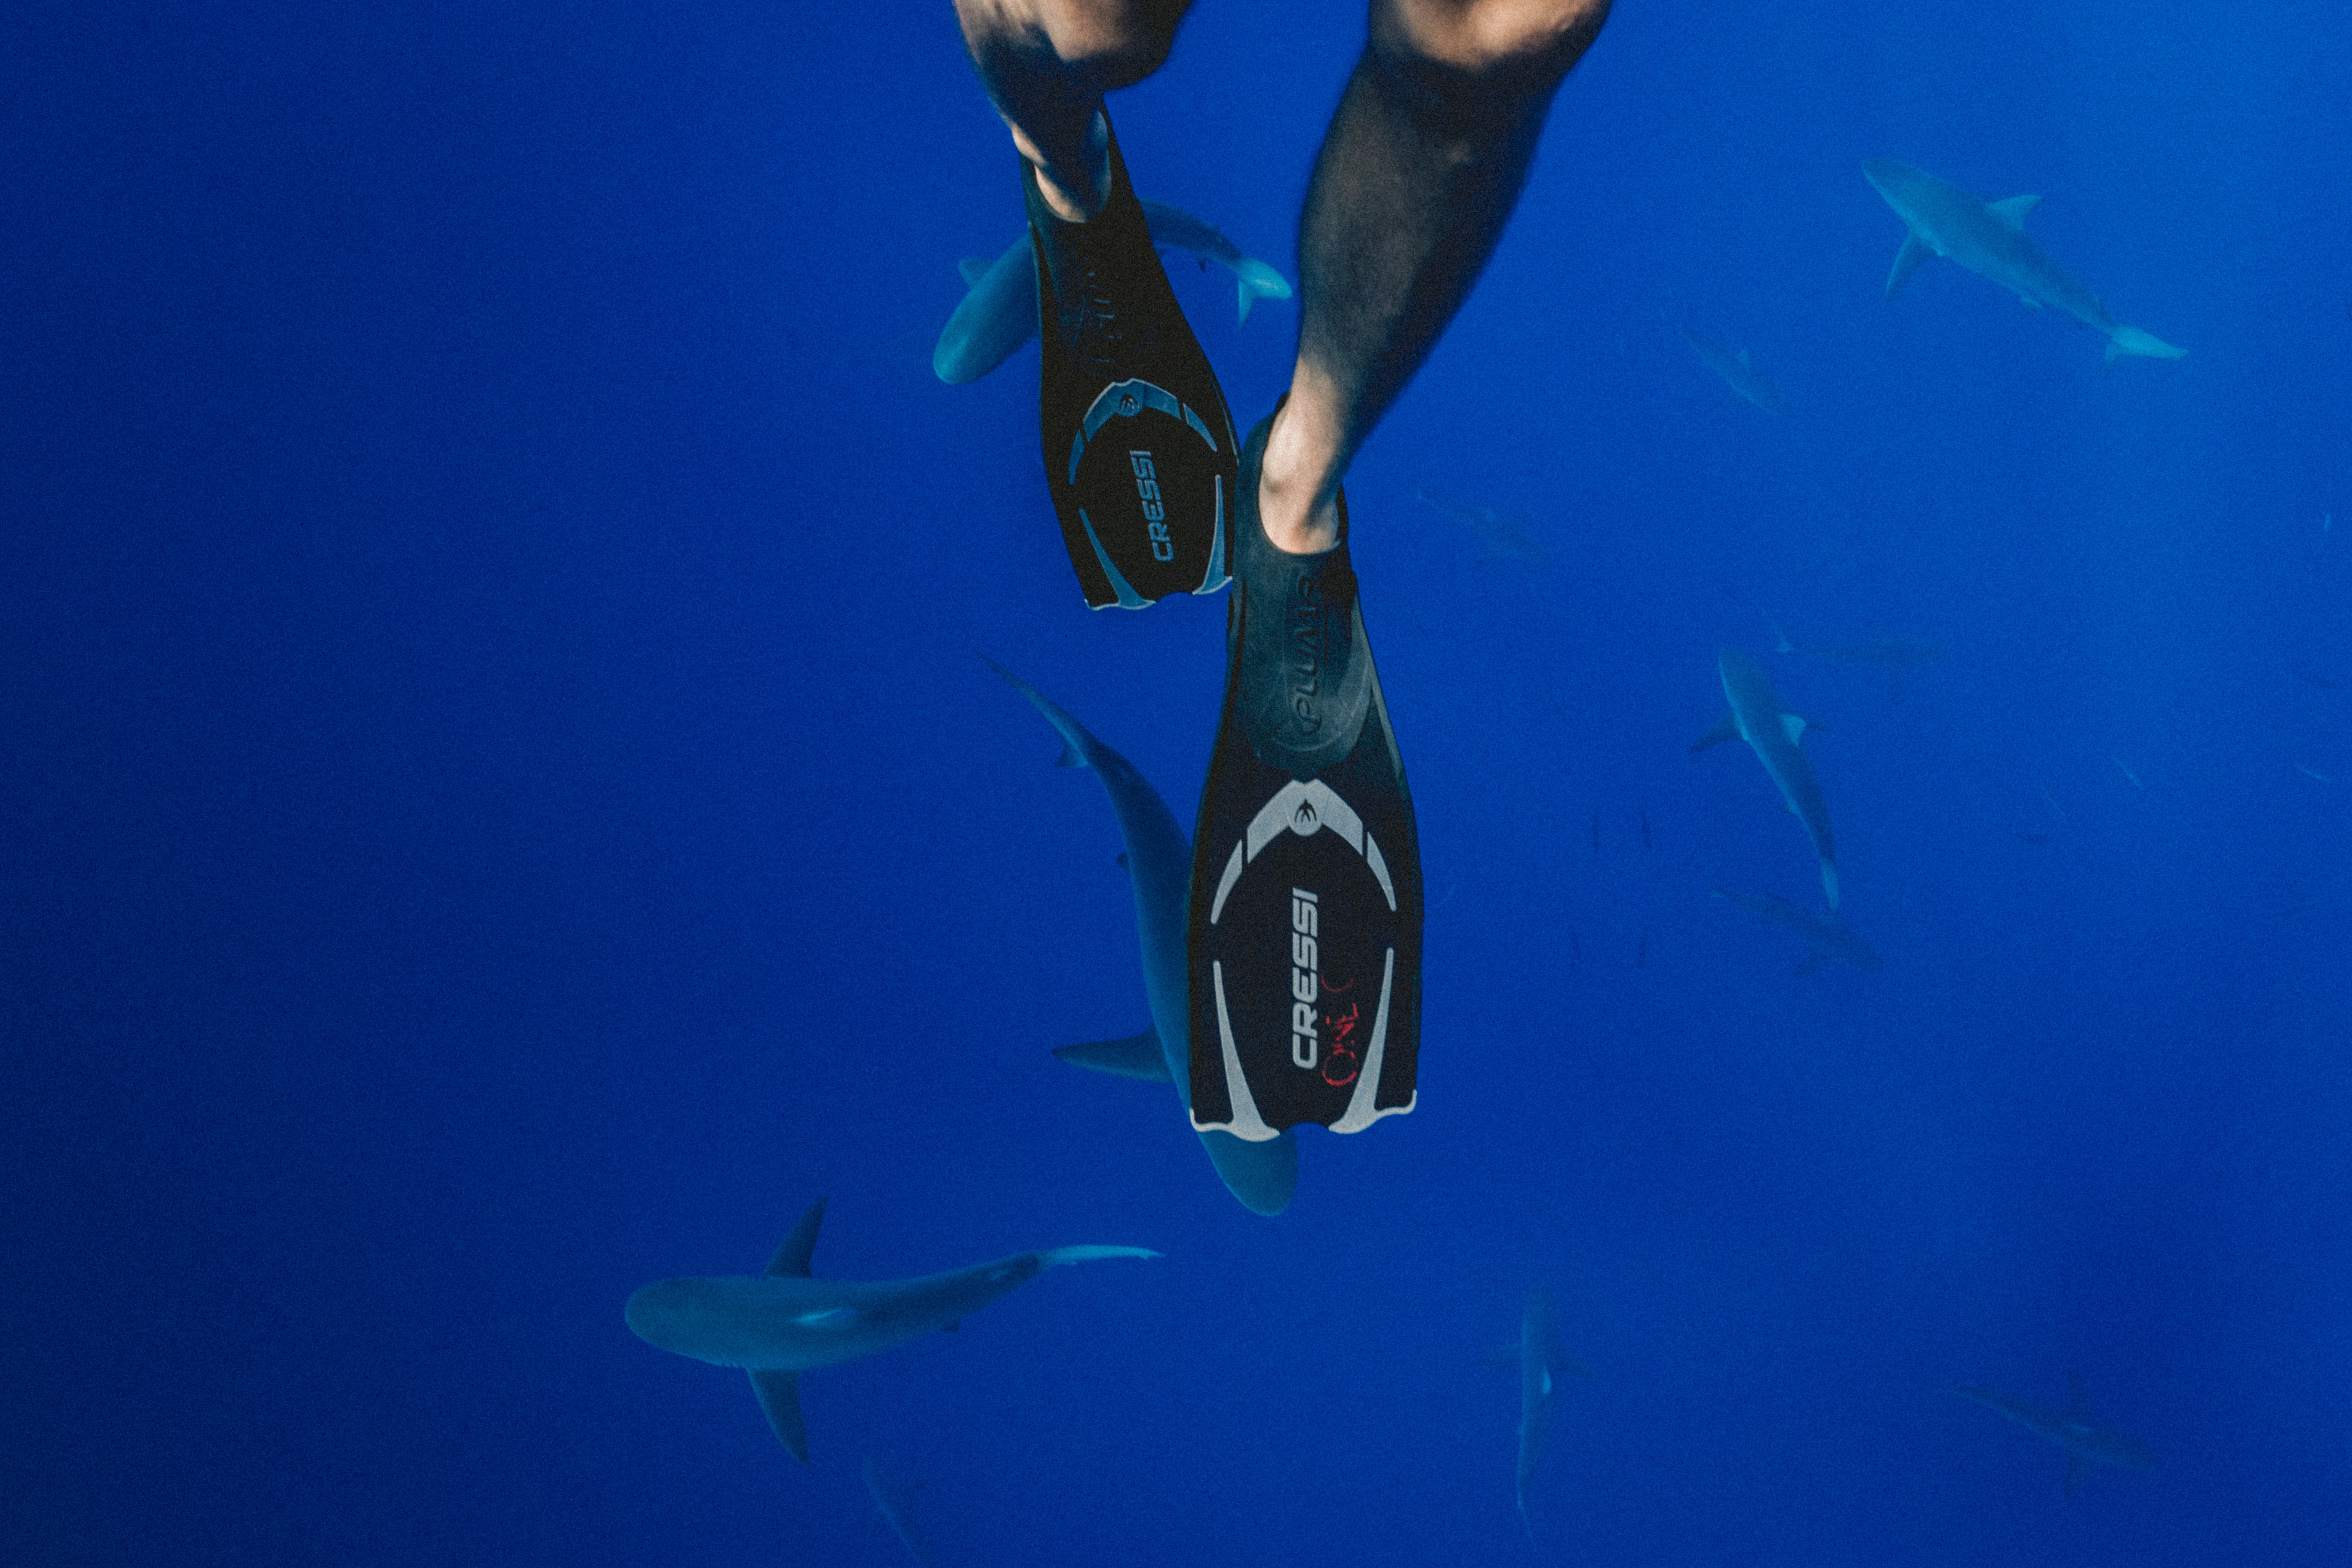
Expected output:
(1304, 907)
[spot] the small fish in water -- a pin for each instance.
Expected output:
(2128, 773)
(1738, 371)
(2309, 773)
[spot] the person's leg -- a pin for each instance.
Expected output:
(1047, 65)
(1138, 446)
(1420, 170)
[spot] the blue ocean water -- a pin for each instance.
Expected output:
(501, 806)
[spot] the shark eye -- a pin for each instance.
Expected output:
(829, 1318)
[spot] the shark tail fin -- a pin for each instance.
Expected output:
(1054, 1257)
(780, 1396)
(1257, 281)
(1138, 1055)
(2146, 345)
(1074, 739)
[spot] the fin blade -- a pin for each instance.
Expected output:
(1908, 260)
(1136, 1056)
(792, 1260)
(780, 1397)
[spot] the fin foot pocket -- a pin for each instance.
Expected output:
(1306, 910)
(1138, 446)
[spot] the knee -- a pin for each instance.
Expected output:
(1528, 44)
(1108, 43)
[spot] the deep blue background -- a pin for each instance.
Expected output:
(498, 805)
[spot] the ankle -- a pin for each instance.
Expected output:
(1297, 495)
(1076, 191)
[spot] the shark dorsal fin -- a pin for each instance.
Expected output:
(2011, 212)
(792, 1260)
(974, 268)
(1742, 357)
(1794, 725)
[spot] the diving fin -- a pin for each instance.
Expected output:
(1305, 906)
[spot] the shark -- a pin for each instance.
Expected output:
(1537, 1353)
(1988, 238)
(2087, 1440)
(1158, 861)
(1501, 532)
(1757, 718)
(1738, 370)
(998, 313)
(1826, 938)
(895, 1501)
(784, 1322)
(1899, 656)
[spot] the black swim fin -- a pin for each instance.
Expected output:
(1306, 911)
(1138, 446)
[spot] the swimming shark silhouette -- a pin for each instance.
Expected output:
(1825, 939)
(895, 1501)
(1896, 655)
(1757, 718)
(1538, 1355)
(784, 1322)
(1988, 238)
(2086, 1440)
(1738, 371)
(1505, 539)
(999, 311)
(1159, 860)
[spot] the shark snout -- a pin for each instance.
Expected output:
(660, 1313)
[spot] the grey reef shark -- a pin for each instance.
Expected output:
(784, 1322)
(1775, 734)
(1737, 369)
(1501, 532)
(1899, 656)
(998, 313)
(1988, 238)
(1826, 938)
(2085, 1439)
(1159, 860)
(894, 1499)
(1536, 1353)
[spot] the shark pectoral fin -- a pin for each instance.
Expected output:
(1138, 1055)
(1906, 262)
(2012, 210)
(792, 1260)
(780, 1396)
(1810, 962)
(974, 268)
(1725, 729)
